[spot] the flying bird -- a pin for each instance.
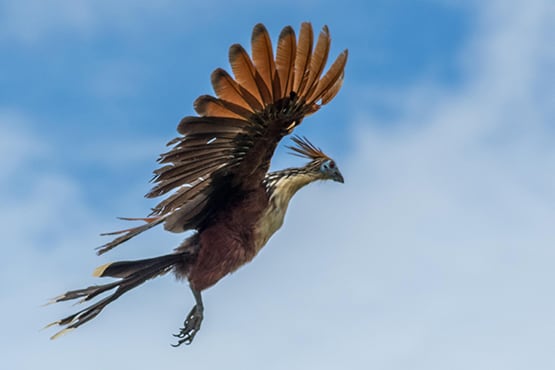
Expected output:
(215, 174)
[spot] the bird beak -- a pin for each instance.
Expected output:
(337, 176)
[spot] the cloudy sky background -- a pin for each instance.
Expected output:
(437, 252)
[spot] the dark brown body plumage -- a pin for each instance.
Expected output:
(215, 174)
(228, 240)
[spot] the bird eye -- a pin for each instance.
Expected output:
(327, 166)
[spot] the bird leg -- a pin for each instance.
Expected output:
(191, 326)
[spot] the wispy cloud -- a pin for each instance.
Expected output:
(31, 21)
(440, 246)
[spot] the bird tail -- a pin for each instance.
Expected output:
(131, 274)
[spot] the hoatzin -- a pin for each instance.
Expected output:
(218, 170)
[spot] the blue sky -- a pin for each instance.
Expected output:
(436, 253)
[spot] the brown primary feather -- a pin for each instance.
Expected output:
(304, 53)
(191, 177)
(228, 89)
(230, 144)
(187, 153)
(243, 104)
(191, 166)
(263, 59)
(317, 62)
(326, 83)
(182, 200)
(177, 173)
(197, 126)
(332, 92)
(175, 202)
(173, 172)
(218, 168)
(245, 73)
(285, 60)
(187, 216)
(207, 105)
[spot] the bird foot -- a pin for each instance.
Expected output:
(191, 326)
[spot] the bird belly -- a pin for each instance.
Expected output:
(221, 252)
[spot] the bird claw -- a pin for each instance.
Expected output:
(190, 328)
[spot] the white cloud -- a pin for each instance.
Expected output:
(117, 79)
(441, 258)
(31, 21)
(16, 139)
(436, 253)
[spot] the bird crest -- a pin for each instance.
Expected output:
(305, 149)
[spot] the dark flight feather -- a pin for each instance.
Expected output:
(132, 275)
(215, 174)
(227, 149)
(207, 105)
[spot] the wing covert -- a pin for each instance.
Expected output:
(227, 148)
(231, 141)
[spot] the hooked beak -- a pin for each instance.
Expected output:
(337, 176)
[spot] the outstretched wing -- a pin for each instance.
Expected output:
(229, 145)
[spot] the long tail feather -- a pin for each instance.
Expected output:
(132, 273)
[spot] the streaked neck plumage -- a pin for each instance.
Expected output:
(280, 186)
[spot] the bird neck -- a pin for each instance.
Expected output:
(282, 185)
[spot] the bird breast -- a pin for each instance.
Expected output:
(271, 221)
(280, 194)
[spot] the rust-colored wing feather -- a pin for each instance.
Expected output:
(227, 148)
(285, 58)
(263, 59)
(302, 59)
(317, 62)
(333, 75)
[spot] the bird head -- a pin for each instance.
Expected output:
(321, 167)
(329, 171)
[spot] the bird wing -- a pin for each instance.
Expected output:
(228, 146)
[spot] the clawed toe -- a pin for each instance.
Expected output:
(190, 328)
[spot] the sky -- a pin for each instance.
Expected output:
(436, 253)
